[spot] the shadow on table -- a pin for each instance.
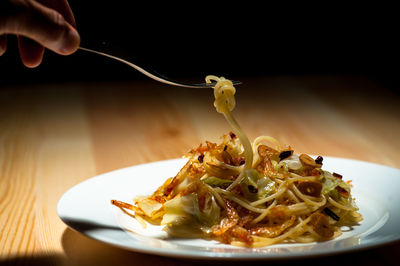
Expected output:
(81, 250)
(37, 260)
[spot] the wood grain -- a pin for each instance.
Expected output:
(55, 136)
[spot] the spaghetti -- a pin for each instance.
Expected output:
(249, 194)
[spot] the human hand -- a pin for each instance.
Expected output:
(39, 24)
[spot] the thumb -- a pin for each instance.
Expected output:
(44, 25)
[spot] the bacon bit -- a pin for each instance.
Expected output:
(237, 190)
(226, 157)
(232, 135)
(201, 201)
(211, 145)
(242, 211)
(343, 192)
(238, 161)
(225, 238)
(260, 168)
(278, 215)
(231, 212)
(233, 227)
(242, 234)
(319, 160)
(200, 158)
(337, 175)
(171, 187)
(274, 230)
(264, 150)
(161, 191)
(268, 167)
(321, 225)
(306, 160)
(159, 199)
(176, 180)
(202, 193)
(285, 154)
(245, 220)
(124, 205)
(315, 172)
(195, 171)
(201, 149)
(265, 166)
(226, 223)
(310, 188)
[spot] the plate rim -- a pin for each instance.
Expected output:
(195, 254)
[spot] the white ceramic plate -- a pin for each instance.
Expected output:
(86, 208)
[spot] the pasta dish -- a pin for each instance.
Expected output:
(249, 194)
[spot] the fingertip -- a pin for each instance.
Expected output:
(30, 51)
(71, 41)
(32, 63)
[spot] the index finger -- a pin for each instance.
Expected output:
(62, 7)
(43, 25)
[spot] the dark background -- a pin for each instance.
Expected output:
(245, 39)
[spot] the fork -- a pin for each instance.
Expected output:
(156, 76)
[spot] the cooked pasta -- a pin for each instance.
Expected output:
(249, 194)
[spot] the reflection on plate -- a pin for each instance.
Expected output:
(86, 208)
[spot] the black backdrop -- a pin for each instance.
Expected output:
(245, 39)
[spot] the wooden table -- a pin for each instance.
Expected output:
(55, 136)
